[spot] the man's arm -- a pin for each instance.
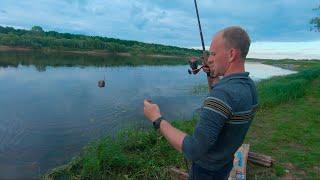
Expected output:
(212, 119)
(212, 81)
(173, 135)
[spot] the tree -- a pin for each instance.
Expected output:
(37, 29)
(315, 22)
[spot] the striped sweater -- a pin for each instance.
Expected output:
(225, 118)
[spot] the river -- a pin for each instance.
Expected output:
(51, 110)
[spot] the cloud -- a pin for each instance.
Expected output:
(139, 19)
(283, 50)
(3, 11)
(161, 21)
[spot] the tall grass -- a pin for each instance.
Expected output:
(285, 88)
(132, 154)
(143, 154)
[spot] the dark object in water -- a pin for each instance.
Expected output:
(101, 83)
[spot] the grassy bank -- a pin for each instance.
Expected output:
(286, 127)
(42, 60)
(290, 64)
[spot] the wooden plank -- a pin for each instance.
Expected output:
(260, 156)
(259, 162)
(178, 174)
(260, 159)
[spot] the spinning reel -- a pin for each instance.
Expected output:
(194, 63)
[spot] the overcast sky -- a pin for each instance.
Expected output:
(271, 24)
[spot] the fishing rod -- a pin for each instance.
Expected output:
(199, 24)
(194, 61)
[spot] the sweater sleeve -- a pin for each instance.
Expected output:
(214, 112)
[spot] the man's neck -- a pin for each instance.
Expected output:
(235, 67)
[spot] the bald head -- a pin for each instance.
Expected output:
(236, 37)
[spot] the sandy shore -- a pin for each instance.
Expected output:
(10, 48)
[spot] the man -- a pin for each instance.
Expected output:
(226, 113)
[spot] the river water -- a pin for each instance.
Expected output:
(49, 111)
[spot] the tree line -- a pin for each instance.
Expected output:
(37, 38)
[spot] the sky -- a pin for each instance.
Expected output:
(277, 28)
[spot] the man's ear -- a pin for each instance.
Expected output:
(232, 54)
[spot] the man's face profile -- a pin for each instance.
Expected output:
(218, 59)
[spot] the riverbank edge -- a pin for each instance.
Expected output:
(307, 74)
(103, 53)
(100, 53)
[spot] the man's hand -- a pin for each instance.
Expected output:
(211, 79)
(206, 68)
(173, 135)
(151, 111)
(204, 58)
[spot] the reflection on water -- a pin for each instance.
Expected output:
(54, 59)
(47, 116)
(261, 71)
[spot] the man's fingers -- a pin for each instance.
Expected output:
(147, 102)
(206, 68)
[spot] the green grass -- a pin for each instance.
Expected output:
(286, 127)
(290, 133)
(136, 154)
(277, 90)
(288, 63)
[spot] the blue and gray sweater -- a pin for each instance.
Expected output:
(225, 118)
